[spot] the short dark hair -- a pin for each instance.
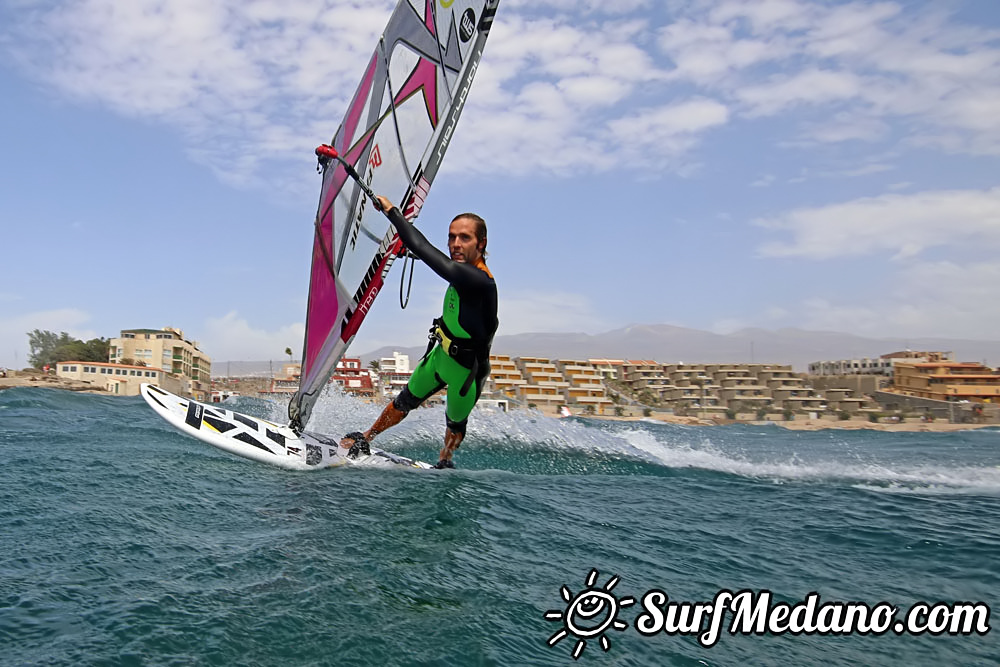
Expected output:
(480, 227)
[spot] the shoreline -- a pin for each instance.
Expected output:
(40, 379)
(794, 425)
(22, 379)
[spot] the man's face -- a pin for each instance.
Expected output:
(462, 243)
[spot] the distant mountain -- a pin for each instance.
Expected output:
(670, 344)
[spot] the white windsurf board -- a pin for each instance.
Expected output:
(259, 439)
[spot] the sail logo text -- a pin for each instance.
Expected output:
(459, 105)
(374, 160)
(593, 611)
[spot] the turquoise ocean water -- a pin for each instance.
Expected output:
(123, 542)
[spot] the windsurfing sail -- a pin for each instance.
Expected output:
(395, 134)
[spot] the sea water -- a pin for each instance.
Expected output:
(124, 542)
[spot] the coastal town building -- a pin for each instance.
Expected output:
(705, 390)
(610, 369)
(948, 381)
(119, 379)
(742, 388)
(288, 381)
(586, 385)
(353, 378)
(712, 389)
(348, 374)
(544, 386)
(168, 350)
(393, 374)
(882, 365)
(505, 377)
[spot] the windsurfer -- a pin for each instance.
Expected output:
(459, 348)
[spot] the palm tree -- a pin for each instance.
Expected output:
(375, 365)
(288, 351)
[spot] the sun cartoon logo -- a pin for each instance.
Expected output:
(589, 614)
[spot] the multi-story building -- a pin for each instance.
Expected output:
(353, 378)
(167, 349)
(505, 378)
(610, 369)
(882, 365)
(741, 387)
(693, 386)
(586, 386)
(393, 374)
(544, 386)
(645, 375)
(948, 381)
(716, 388)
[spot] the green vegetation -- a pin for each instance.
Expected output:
(50, 348)
(646, 397)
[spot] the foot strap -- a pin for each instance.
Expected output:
(360, 446)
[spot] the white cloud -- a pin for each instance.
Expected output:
(846, 126)
(656, 134)
(549, 311)
(232, 338)
(813, 86)
(14, 348)
(901, 224)
(926, 299)
(561, 80)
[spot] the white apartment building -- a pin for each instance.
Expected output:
(393, 373)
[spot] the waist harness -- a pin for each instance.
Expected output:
(463, 350)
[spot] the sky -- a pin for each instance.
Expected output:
(712, 164)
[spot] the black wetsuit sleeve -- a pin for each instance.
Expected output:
(462, 276)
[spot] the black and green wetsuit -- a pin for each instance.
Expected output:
(460, 358)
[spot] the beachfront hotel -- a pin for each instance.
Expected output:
(165, 349)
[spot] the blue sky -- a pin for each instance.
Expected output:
(710, 164)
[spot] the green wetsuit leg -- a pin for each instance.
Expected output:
(438, 369)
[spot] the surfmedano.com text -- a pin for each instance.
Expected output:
(755, 613)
